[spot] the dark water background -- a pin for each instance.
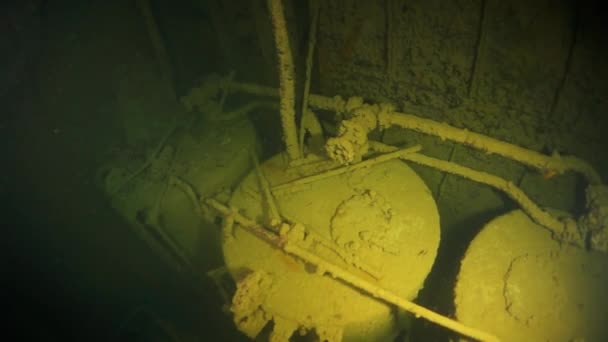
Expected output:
(72, 270)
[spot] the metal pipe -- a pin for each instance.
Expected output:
(558, 164)
(286, 80)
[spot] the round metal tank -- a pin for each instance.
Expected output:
(520, 284)
(384, 216)
(161, 201)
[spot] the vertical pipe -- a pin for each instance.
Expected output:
(162, 57)
(567, 63)
(445, 174)
(389, 36)
(312, 40)
(263, 29)
(286, 79)
(479, 50)
(223, 28)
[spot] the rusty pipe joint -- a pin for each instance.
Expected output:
(352, 143)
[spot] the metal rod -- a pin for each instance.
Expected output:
(292, 246)
(336, 172)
